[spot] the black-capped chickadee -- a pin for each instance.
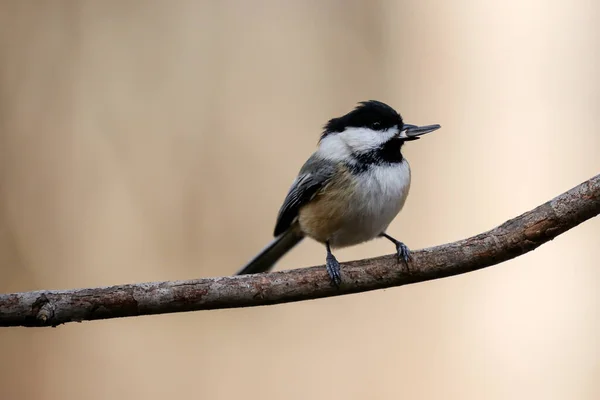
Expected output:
(349, 190)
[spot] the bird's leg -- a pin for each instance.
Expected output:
(333, 267)
(402, 252)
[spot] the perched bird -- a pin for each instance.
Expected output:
(349, 190)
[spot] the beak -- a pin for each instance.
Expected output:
(412, 132)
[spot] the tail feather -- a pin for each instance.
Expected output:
(266, 259)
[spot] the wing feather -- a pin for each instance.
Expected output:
(313, 176)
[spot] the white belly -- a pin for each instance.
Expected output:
(379, 196)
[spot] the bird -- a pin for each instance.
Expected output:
(349, 190)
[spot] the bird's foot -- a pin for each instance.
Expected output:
(402, 251)
(333, 269)
(403, 254)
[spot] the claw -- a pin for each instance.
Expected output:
(403, 254)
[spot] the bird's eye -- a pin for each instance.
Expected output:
(376, 125)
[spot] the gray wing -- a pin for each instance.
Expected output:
(315, 174)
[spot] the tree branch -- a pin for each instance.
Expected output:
(509, 240)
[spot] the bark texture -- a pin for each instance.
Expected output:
(509, 240)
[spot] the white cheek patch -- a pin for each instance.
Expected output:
(364, 139)
(333, 148)
(341, 146)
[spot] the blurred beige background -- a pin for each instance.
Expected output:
(155, 140)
